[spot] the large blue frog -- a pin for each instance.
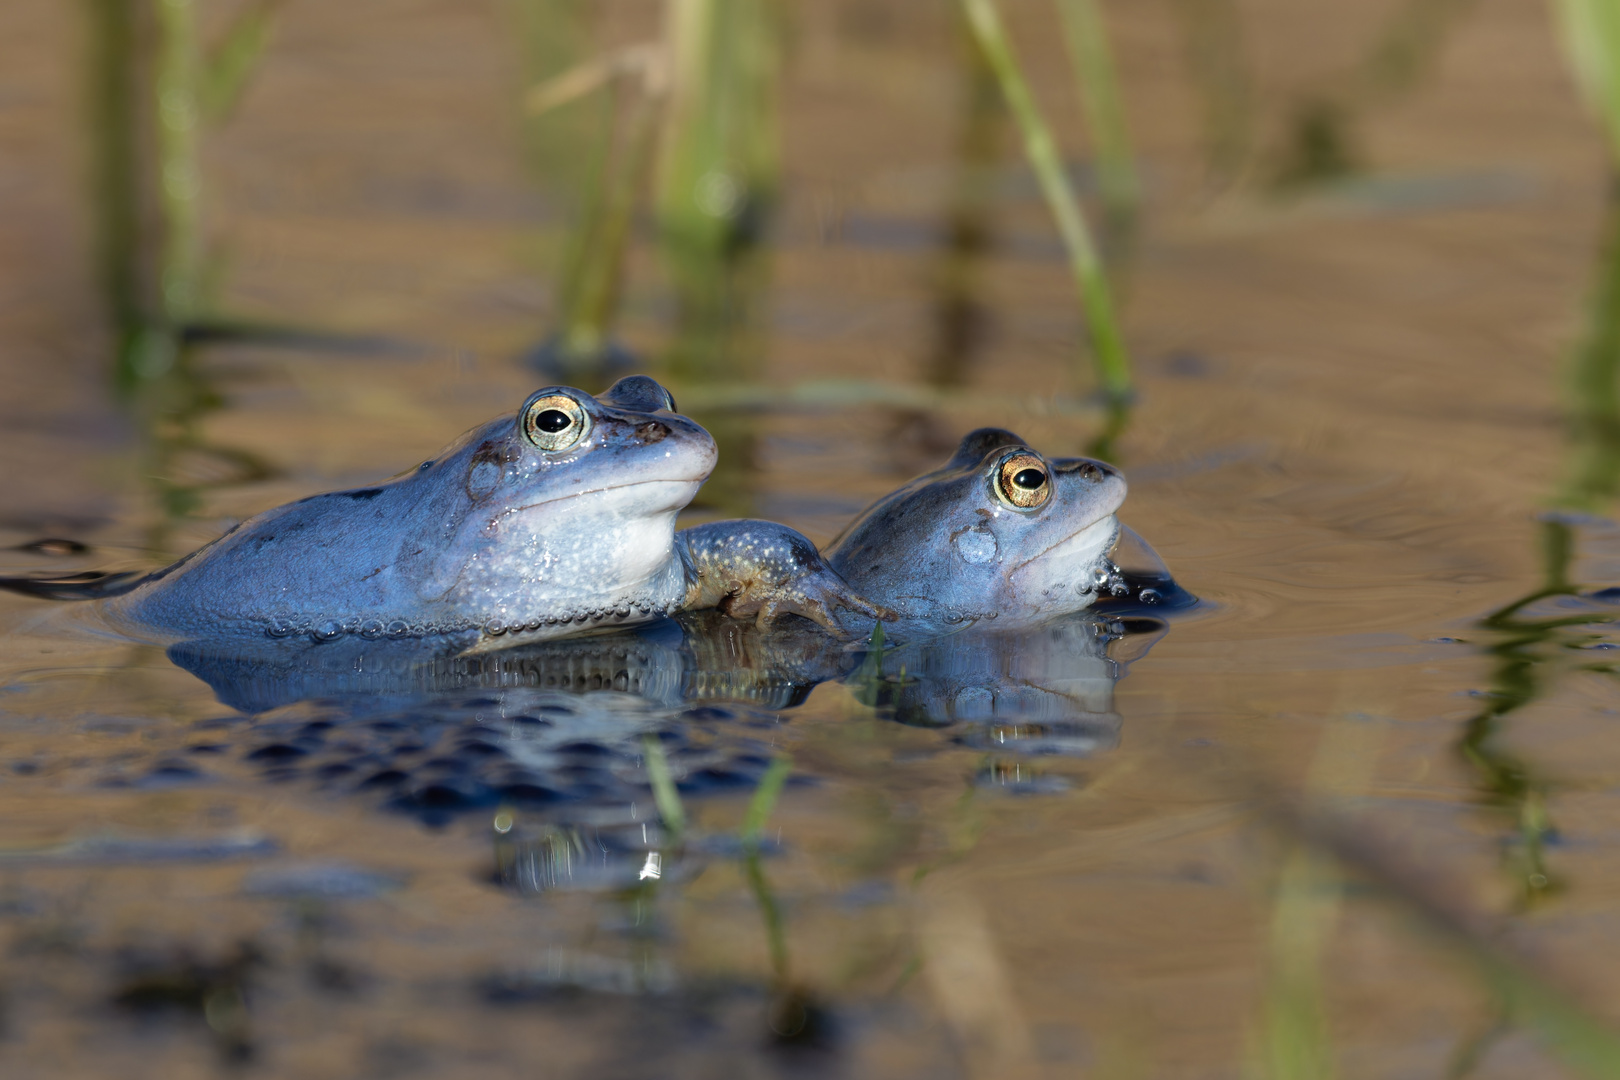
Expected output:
(555, 521)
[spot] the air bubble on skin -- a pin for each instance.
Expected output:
(976, 546)
(280, 628)
(327, 630)
(1149, 596)
(371, 628)
(398, 628)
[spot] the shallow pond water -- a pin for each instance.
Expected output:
(1140, 850)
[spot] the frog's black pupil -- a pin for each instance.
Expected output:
(553, 421)
(1029, 479)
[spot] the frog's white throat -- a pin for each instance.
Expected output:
(573, 560)
(1065, 567)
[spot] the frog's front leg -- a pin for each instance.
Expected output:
(761, 568)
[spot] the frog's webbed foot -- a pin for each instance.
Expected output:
(815, 596)
(762, 569)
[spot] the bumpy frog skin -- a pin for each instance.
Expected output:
(553, 522)
(1000, 533)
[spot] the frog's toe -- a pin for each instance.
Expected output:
(862, 606)
(817, 598)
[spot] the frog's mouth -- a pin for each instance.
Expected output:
(681, 491)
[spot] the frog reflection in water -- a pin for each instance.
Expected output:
(556, 521)
(563, 721)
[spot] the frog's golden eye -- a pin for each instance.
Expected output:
(555, 422)
(1023, 483)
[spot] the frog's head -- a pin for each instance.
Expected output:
(573, 495)
(624, 452)
(1000, 532)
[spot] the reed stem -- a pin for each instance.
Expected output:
(1085, 32)
(1591, 31)
(1107, 346)
(665, 795)
(179, 177)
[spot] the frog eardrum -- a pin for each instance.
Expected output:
(1021, 482)
(555, 422)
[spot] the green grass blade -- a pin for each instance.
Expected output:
(1107, 345)
(232, 62)
(764, 800)
(1294, 1041)
(1591, 31)
(179, 171)
(665, 795)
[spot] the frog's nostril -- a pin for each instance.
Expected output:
(652, 431)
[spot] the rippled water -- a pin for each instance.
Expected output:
(1074, 854)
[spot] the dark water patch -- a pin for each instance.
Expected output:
(110, 848)
(54, 546)
(322, 880)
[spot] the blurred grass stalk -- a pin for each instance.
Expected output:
(1408, 49)
(177, 86)
(751, 834)
(1527, 654)
(154, 87)
(666, 796)
(1591, 34)
(1085, 33)
(1593, 383)
(588, 127)
(718, 177)
(603, 199)
(594, 270)
(1294, 1042)
(1107, 346)
(718, 173)
(1215, 60)
(115, 119)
